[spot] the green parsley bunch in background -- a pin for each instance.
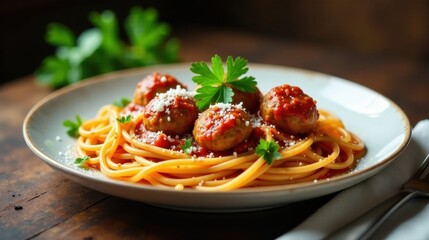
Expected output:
(100, 49)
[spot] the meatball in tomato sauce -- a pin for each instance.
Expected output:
(289, 109)
(250, 100)
(222, 126)
(152, 84)
(173, 112)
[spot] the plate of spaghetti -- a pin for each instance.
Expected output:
(217, 136)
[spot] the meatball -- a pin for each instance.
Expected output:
(152, 84)
(250, 100)
(173, 112)
(289, 109)
(222, 126)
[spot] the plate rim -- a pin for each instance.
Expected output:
(135, 71)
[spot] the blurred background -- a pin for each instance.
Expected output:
(380, 27)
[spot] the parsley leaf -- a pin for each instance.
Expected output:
(81, 161)
(268, 150)
(186, 147)
(73, 127)
(216, 84)
(124, 119)
(59, 35)
(102, 49)
(122, 103)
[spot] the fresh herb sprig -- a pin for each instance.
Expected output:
(81, 161)
(187, 146)
(269, 150)
(123, 102)
(73, 126)
(216, 84)
(100, 49)
(124, 119)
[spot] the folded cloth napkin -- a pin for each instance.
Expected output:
(410, 222)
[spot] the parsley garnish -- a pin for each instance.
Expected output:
(122, 103)
(268, 150)
(73, 127)
(81, 161)
(216, 84)
(124, 119)
(186, 147)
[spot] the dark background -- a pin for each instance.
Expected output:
(383, 27)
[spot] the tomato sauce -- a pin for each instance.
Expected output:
(218, 124)
(153, 84)
(292, 101)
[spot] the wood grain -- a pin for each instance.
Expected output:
(37, 202)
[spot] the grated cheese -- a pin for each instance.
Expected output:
(167, 99)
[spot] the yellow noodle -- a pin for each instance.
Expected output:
(115, 149)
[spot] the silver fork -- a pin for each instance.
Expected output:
(417, 185)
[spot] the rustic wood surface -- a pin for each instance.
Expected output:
(38, 203)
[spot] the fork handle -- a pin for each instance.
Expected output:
(403, 197)
(364, 226)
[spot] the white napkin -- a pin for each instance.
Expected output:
(410, 222)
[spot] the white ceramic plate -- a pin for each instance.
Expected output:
(380, 123)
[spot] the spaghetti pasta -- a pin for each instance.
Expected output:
(123, 151)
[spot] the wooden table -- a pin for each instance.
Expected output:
(37, 202)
